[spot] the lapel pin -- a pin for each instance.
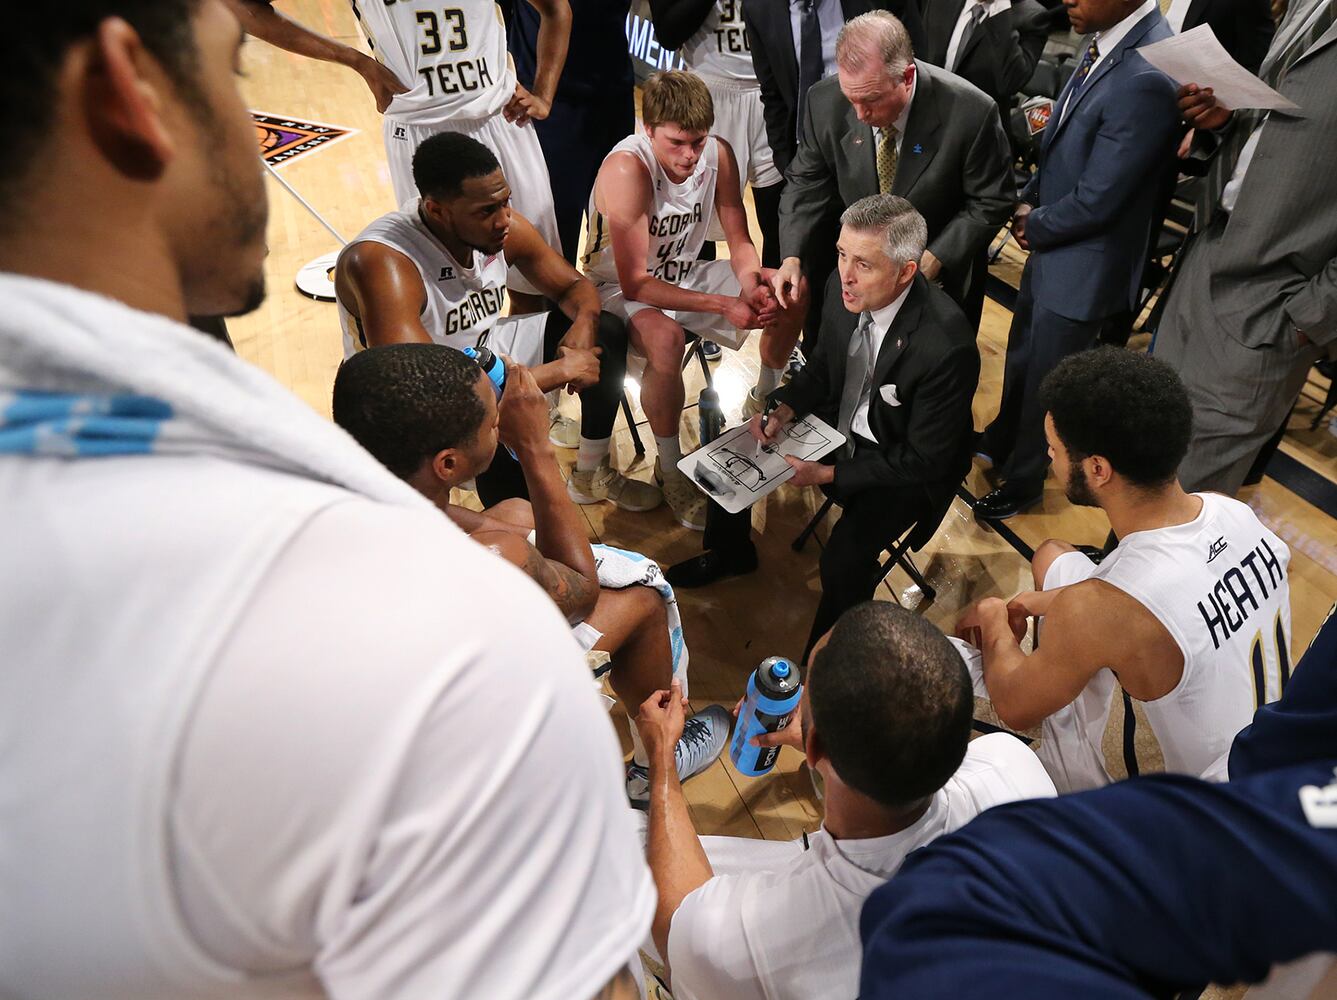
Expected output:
(898, 343)
(918, 148)
(858, 140)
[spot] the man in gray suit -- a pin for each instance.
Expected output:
(1085, 216)
(1255, 302)
(891, 124)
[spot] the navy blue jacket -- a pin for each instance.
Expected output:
(1096, 189)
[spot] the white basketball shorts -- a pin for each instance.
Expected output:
(714, 277)
(741, 122)
(516, 147)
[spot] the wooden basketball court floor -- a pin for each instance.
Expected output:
(731, 626)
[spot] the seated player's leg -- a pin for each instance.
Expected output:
(661, 341)
(594, 478)
(778, 341)
(1045, 554)
(634, 623)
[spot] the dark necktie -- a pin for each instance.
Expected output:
(1289, 47)
(858, 373)
(972, 26)
(810, 63)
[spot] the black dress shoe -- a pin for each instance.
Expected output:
(1010, 498)
(710, 566)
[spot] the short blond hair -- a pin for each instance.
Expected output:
(677, 97)
(876, 35)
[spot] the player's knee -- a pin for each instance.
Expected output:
(1044, 557)
(664, 346)
(516, 510)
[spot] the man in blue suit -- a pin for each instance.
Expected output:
(1085, 217)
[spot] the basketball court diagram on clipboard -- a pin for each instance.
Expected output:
(736, 470)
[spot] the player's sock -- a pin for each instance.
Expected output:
(592, 451)
(638, 755)
(768, 380)
(670, 451)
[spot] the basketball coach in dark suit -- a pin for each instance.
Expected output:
(898, 385)
(786, 67)
(891, 124)
(1085, 217)
(995, 44)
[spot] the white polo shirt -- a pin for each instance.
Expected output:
(781, 923)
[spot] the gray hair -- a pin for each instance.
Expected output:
(903, 230)
(875, 35)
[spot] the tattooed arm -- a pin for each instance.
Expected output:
(574, 593)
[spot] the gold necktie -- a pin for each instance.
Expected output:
(886, 160)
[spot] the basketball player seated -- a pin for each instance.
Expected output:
(885, 719)
(446, 69)
(431, 416)
(1190, 612)
(651, 208)
(435, 271)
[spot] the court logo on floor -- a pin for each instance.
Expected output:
(284, 139)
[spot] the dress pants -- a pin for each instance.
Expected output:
(871, 522)
(575, 137)
(1039, 339)
(504, 478)
(1240, 394)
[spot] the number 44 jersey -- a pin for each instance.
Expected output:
(451, 55)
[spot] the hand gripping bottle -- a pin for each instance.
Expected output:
(773, 692)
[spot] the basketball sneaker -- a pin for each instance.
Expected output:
(687, 502)
(753, 405)
(703, 738)
(563, 432)
(606, 483)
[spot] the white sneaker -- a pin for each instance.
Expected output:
(688, 503)
(606, 483)
(563, 432)
(753, 404)
(703, 739)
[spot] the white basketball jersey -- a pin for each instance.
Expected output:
(463, 303)
(1218, 584)
(453, 58)
(679, 216)
(719, 48)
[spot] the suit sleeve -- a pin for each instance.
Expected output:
(774, 109)
(1022, 54)
(810, 193)
(940, 412)
(1313, 309)
(1135, 140)
(988, 197)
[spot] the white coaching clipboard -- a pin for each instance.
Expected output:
(736, 470)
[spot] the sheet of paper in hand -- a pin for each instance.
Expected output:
(736, 470)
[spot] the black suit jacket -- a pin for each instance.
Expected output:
(1243, 27)
(776, 62)
(931, 358)
(955, 168)
(998, 58)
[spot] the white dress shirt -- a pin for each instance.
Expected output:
(992, 8)
(777, 922)
(830, 19)
(877, 332)
(1176, 14)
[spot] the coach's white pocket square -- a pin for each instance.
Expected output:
(889, 395)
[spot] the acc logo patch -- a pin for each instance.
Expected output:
(283, 139)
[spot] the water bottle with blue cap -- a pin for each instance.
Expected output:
(773, 693)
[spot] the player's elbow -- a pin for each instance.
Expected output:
(1017, 716)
